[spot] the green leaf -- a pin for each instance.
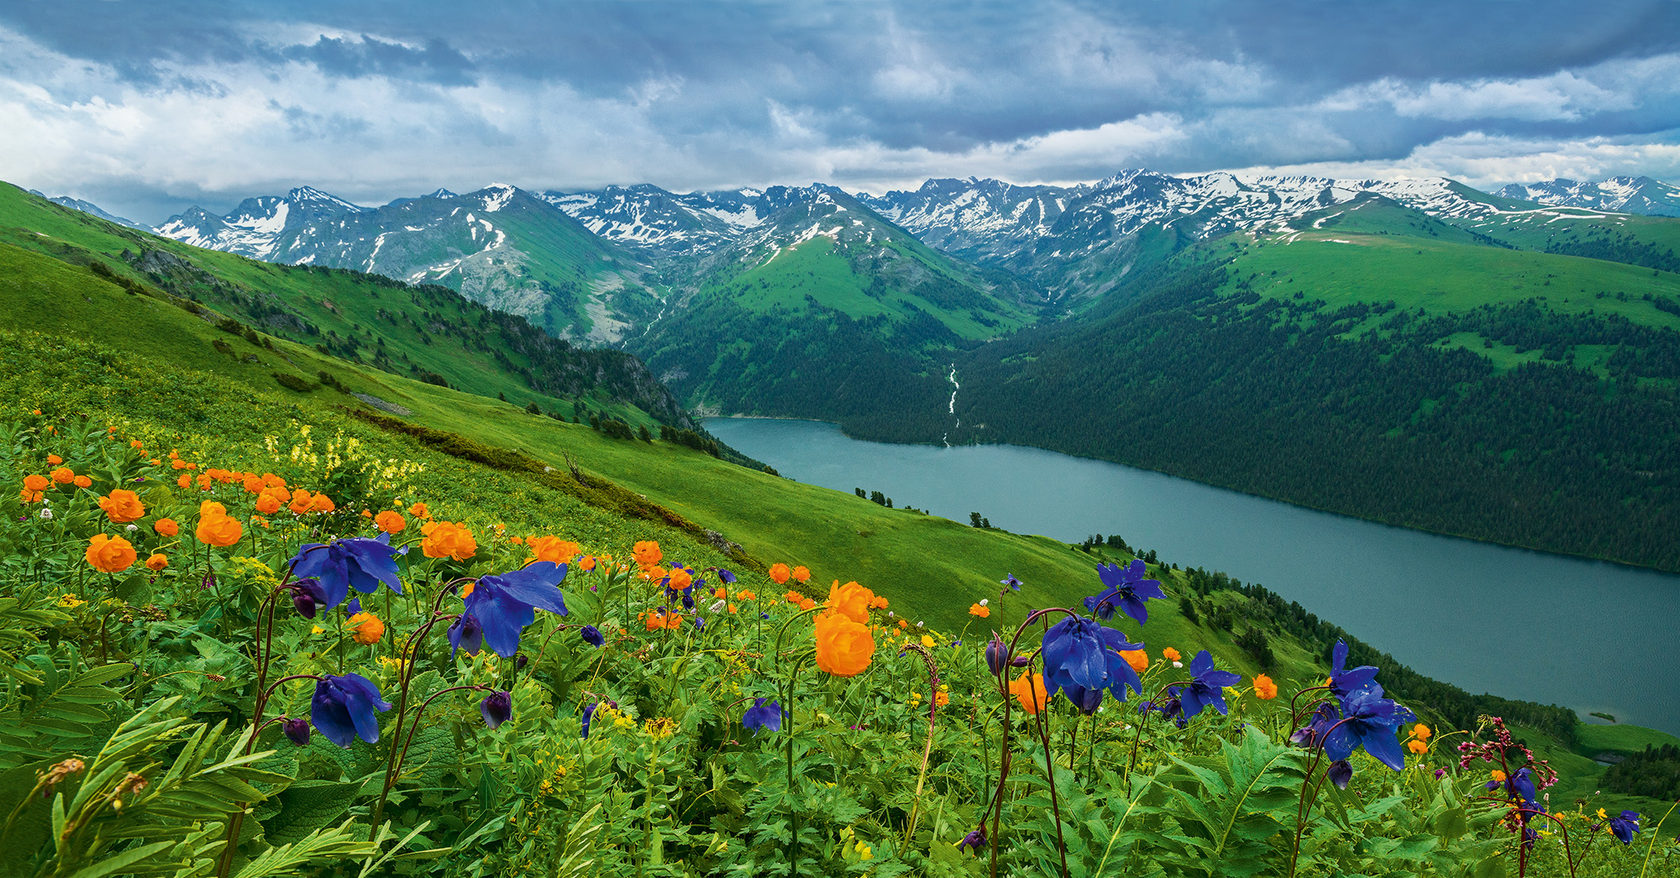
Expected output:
(115, 863)
(307, 806)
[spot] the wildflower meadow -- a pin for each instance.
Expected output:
(289, 656)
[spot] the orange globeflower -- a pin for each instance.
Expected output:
(807, 604)
(419, 510)
(82, 482)
(1137, 658)
(167, 527)
(979, 611)
(219, 530)
(553, 549)
(779, 573)
(300, 502)
(844, 646)
(252, 483)
(800, 574)
(390, 521)
(1417, 746)
(110, 554)
(1264, 688)
(744, 595)
(1421, 732)
(122, 506)
(647, 553)
(877, 603)
(54, 460)
(63, 475)
(322, 503)
(850, 600)
(185, 481)
(268, 503)
(365, 628)
(1170, 654)
(36, 483)
(1031, 695)
(940, 699)
(446, 539)
(680, 578)
(156, 562)
(586, 563)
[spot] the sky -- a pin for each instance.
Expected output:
(146, 107)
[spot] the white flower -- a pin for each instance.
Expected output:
(46, 514)
(131, 528)
(918, 625)
(1178, 664)
(983, 601)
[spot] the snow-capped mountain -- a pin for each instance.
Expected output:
(1081, 240)
(89, 207)
(1641, 195)
(664, 224)
(500, 245)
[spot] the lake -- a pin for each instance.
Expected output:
(1589, 635)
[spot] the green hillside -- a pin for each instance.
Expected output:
(427, 332)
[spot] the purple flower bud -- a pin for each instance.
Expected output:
(725, 575)
(973, 841)
(592, 635)
(307, 597)
(1340, 772)
(997, 655)
(1020, 661)
(353, 606)
(520, 660)
(497, 708)
(1440, 773)
(588, 712)
(297, 730)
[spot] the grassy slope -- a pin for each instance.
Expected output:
(340, 302)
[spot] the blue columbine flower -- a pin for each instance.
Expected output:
(1370, 721)
(1207, 688)
(1125, 588)
(297, 729)
(725, 575)
(1340, 772)
(1010, 580)
(592, 635)
(973, 841)
(343, 708)
(500, 607)
(588, 713)
(1344, 682)
(763, 716)
(1625, 826)
(497, 708)
(1082, 653)
(1520, 785)
(355, 561)
(1312, 734)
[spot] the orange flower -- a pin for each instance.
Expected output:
(844, 646)
(793, 597)
(1417, 746)
(35, 483)
(185, 481)
(322, 503)
(744, 595)
(300, 502)
(647, 553)
(1421, 732)
(211, 507)
(1137, 658)
(167, 527)
(850, 600)
(940, 699)
(268, 503)
(1170, 654)
(63, 475)
(54, 460)
(177, 462)
(659, 619)
(903, 624)
(979, 611)
(365, 628)
(800, 574)
(156, 562)
(1264, 688)
(680, 578)
(446, 539)
(586, 563)
(253, 483)
(122, 506)
(204, 481)
(552, 549)
(1498, 776)
(419, 510)
(390, 521)
(720, 593)
(219, 530)
(1031, 695)
(779, 573)
(877, 603)
(807, 604)
(82, 482)
(110, 554)
(29, 496)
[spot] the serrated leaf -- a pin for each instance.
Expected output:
(307, 806)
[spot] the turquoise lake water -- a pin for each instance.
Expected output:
(1589, 635)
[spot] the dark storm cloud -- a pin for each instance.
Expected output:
(379, 99)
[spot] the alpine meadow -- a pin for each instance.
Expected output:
(364, 517)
